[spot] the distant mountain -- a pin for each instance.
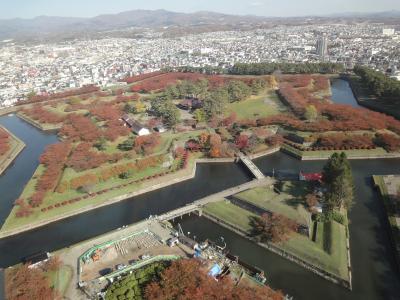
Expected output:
(370, 15)
(44, 27)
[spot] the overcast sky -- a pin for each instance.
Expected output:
(88, 8)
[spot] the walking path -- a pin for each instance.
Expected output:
(197, 205)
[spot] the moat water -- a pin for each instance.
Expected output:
(374, 273)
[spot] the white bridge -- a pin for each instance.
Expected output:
(251, 166)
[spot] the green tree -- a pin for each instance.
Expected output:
(215, 102)
(338, 178)
(258, 85)
(311, 113)
(170, 114)
(199, 115)
(127, 145)
(172, 92)
(238, 90)
(30, 95)
(202, 88)
(101, 144)
(128, 108)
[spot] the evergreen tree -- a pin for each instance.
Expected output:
(338, 178)
(215, 102)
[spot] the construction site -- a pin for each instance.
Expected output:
(157, 241)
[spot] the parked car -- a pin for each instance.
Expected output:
(145, 256)
(120, 267)
(173, 241)
(105, 271)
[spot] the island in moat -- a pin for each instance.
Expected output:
(10, 147)
(149, 133)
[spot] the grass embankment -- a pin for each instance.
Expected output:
(328, 252)
(16, 146)
(40, 125)
(367, 99)
(390, 208)
(357, 153)
(263, 105)
(290, 202)
(120, 193)
(61, 279)
(231, 214)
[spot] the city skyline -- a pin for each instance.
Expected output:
(285, 8)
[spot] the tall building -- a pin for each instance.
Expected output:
(322, 47)
(388, 31)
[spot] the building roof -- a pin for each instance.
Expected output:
(311, 176)
(135, 125)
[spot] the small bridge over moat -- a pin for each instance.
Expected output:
(250, 165)
(197, 205)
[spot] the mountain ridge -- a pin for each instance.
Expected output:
(52, 25)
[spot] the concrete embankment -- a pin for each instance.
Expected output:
(299, 155)
(324, 274)
(19, 146)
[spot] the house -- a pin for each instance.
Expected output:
(137, 128)
(310, 176)
(190, 104)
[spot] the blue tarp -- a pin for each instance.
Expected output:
(215, 270)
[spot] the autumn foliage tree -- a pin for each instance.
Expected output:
(273, 227)
(388, 141)
(215, 145)
(53, 159)
(79, 128)
(39, 113)
(23, 282)
(75, 92)
(147, 143)
(242, 142)
(4, 141)
(187, 279)
(84, 157)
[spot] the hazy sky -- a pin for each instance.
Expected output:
(87, 8)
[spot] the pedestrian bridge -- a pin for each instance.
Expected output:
(251, 166)
(198, 204)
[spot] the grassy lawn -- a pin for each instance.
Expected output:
(390, 211)
(328, 251)
(290, 202)
(61, 279)
(230, 213)
(60, 109)
(263, 105)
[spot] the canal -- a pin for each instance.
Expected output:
(13, 180)
(374, 274)
(342, 93)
